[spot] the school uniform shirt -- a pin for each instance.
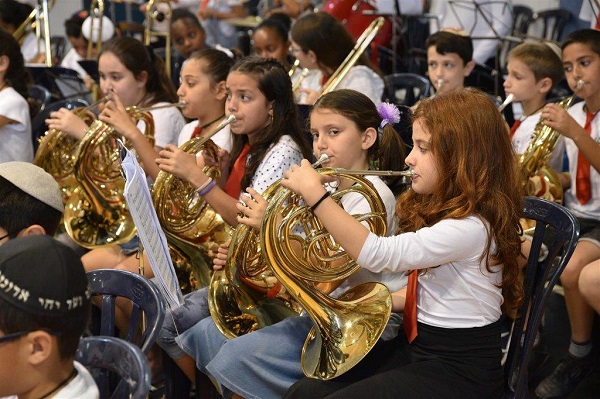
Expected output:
(168, 122)
(590, 210)
(355, 203)
(223, 139)
(70, 60)
(456, 291)
(219, 31)
(30, 48)
(280, 157)
(15, 138)
(82, 386)
(524, 135)
(360, 78)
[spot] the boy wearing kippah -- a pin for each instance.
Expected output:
(30, 201)
(44, 309)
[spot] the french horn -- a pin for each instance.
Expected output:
(273, 272)
(191, 225)
(96, 213)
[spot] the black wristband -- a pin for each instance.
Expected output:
(316, 204)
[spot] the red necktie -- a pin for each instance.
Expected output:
(197, 131)
(514, 128)
(583, 184)
(233, 187)
(410, 307)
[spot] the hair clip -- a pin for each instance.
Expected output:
(389, 113)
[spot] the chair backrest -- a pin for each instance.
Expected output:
(104, 356)
(38, 124)
(147, 302)
(522, 16)
(553, 23)
(559, 231)
(39, 98)
(406, 88)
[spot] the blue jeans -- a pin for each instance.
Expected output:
(179, 320)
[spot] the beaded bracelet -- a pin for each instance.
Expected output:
(206, 187)
(316, 204)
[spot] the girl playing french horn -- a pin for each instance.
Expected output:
(266, 141)
(347, 127)
(459, 234)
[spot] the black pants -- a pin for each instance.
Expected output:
(440, 363)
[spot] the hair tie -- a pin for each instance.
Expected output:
(389, 114)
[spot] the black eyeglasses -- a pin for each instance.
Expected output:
(17, 335)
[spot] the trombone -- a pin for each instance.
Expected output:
(158, 14)
(97, 14)
(39, 16)
(361, 45)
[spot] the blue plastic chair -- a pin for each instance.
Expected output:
(406, 88)
(146, 300)
(560, 232)
(106, 356)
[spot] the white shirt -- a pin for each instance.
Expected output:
(70, 61)
(223, 139)
(456, 291)
(15, 138)
(590, 210)
(355, 204)
(360, 78)
(82, 386)
(483, 20)
(524, 135)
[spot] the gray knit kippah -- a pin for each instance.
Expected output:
(35, 181)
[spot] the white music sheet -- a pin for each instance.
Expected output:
(139, 201)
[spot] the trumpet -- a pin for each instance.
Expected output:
(509, 99)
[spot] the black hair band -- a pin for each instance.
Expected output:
(316, 204)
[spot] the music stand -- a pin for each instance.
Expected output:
(62, 83)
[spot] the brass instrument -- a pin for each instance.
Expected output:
(190, 224)
(96, 213)
(288, 265)
(56, 153)
(509, 99)
(38, 20)
(96, 13)
(534, 161)
(361, 45)
(154, 14)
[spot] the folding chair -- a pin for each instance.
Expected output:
(104, 356)
(540, 278)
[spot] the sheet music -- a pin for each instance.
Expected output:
(139, 201)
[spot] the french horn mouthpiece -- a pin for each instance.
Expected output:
(580, 84)
(322, 159)
(507, 100)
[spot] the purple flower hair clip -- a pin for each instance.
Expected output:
(389, 114)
